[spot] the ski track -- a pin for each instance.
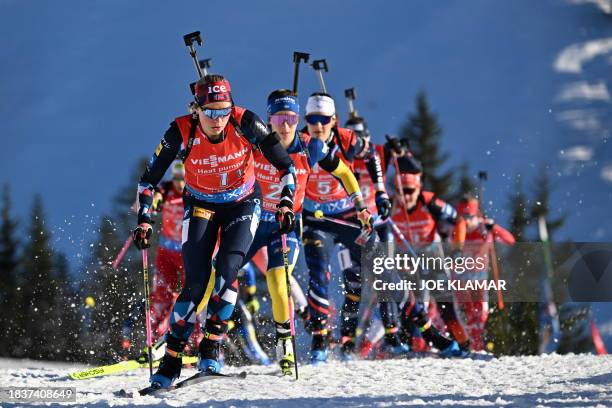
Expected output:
(530, 381)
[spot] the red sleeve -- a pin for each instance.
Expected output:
(503, 235)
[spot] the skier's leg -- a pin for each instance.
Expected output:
(277, 286)
(238, 229)
(317, 260)
(164, 292)
(454, 325)
(351, 274)
(199, 238)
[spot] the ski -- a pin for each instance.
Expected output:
(194, 379)
(121, 367)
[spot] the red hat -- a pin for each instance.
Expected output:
(218, 91)
(468, 207)
(410, 180)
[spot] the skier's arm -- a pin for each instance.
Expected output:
(157, 166)
(257, 133)
(332, 164)
(356, 146)
(503, 235)
(374, 166)
(446, 213)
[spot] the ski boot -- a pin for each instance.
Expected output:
(284, 348)
(347, 350)
(394, 346)
(454, 350)
(209, 356)
(169, 370)
(285, 355)
(318, 352)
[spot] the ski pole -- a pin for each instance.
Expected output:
(320, 66)
(297, 57)
(145, 275)
(490, 240)
(318, 214)
(362, 238)
(121, 254)
(285, 250)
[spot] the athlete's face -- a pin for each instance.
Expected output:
(321, 131)
(284, 130)
(411, 195)
(213, 127)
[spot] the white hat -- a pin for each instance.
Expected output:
(321, 104)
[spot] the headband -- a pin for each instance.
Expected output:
(284, 103)
(321, 104)
(219, 91)
(411, 180)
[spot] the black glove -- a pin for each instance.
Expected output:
(286, 220)
(489, 223)
(142, 236)
(383, 204)
(398, 146)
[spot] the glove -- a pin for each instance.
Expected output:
(383, 204)
(398, 146)
(489, 223)
(286, 219)
(252, 304)
(142, 235)
(365, 219)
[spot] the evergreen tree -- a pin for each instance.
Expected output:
(541, 203)
(39, 323)
(514, 330)
(424, 135)
(519, 212)
(118, 293)
(67, 341)
(111, 290)
(465, 183)
(9, 312)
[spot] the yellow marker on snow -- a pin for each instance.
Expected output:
(90, 302)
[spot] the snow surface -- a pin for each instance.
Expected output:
(542, 381)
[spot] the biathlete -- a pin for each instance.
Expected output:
(222, 201)
(421, 216)
(307, 153)
(325, 193)
(481, 234)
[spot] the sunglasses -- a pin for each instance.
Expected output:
(409, 191)
(278, 120)
(314, 119)
(468, 216)
(217, 113)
